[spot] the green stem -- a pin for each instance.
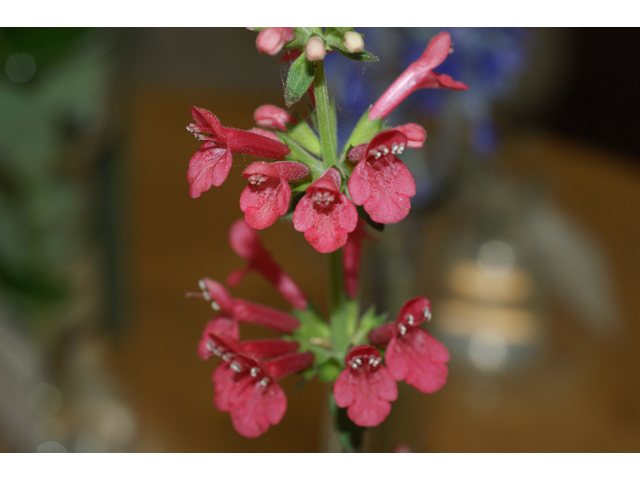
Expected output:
(326, 125)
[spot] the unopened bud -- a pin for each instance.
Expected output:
(353, 42)
(315, 49)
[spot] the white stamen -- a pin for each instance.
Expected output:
(402, 329)
(385, 150)
(255, 371)
(257, 179)
(354, 365)
(394, 148)
(235, 367)
(227, 357)
(215, 306)
(409, 318)
(323, 198)
(371, 360)
(264, 381)
(210, 346)
(426, 313)
(359, 361)
(202, 285)
(378, 154)
(376, 362)
(400, 148)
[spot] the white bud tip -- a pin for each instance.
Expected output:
(353, 42)
(315, 49)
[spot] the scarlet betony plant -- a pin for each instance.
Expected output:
(332, 196)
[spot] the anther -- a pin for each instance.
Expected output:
(359, 361)
(264, 381)
(400, 148)
(378, 154)
(376, 362)
(409, 318)
(426, 313)
(255, 371)
(215, 306)
(385, 150)
(235, 367)
(402, 329)
(394, 148)
(227, 357)
(371, 360)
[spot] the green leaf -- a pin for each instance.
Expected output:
(362, 56)
(299, 79)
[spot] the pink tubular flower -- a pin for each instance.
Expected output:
(210, 165)
(268, 193)
(244, 311)
(351, 258)
(412, 354)
(246, 243)
(324, 214)
(246, 386)
(365, 387)
(418, 75)
(270, 116)
(381, 182)
(272, 39)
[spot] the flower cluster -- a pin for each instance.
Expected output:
(245, 381)
(330, 195)
(368, 173)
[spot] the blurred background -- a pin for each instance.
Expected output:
(524, 235)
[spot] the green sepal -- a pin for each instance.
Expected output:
(329, 371)
(299, 79)
(334, 38)
(302, 37)
(300, 186)
(368, 322)
(344, 321)
(305, 136)
(299, 154)
(364, 131)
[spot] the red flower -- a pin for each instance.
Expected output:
(268, 193)
(324, 214)
(246, 243)
(365, 387)
(381, 182)
(351, 257)
(210, 165)
(418, 75)
(412, 354)
(272, 39)
(244, 311)
(270, 116)
(246, 386)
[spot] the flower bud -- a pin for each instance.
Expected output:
(315, 49)
(353, 42)
(271, 40)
